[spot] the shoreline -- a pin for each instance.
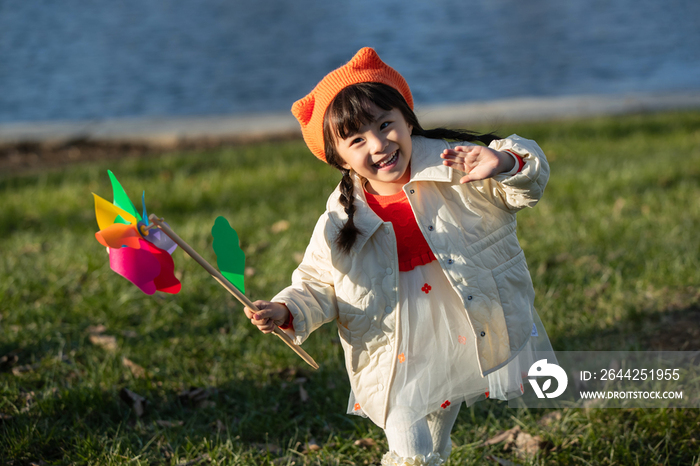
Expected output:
(28, 145)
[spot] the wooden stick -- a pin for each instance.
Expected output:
(229, 286)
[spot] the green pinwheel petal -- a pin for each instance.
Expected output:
(229, 256)
(121, 200)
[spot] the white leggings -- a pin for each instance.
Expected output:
(427, 435)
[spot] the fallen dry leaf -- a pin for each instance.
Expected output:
(169, 423)
(508, 435)
(303, 394)
(197, 397)
(280, 226)
(136, 401)
(106, 342)
(137, 371)
(549, 418)
(524, 444)
(311, 446)
(528, 445)
(96, 329)
(365, 443)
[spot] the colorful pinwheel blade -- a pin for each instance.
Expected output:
(121, 200)
(118, 235)
(229, 256)
(161, 240)
(150, 268)
(166, 280)
(139, 266)
(107, 213)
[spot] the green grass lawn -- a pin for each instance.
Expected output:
(613, 247)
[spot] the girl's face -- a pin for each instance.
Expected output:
(380, 151)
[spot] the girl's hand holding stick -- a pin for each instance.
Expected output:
(268, 315)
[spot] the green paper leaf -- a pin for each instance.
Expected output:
(121, 200)
(229, 256)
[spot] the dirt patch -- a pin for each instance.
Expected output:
(31, 156)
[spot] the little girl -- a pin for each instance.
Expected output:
(416, 259)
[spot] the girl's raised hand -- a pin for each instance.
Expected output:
(268, 315)
(478, 162)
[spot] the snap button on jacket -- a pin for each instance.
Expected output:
(471, 231)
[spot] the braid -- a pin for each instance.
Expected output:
(347, 235)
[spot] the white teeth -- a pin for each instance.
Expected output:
(389, 161)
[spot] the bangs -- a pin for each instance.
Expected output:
(353, 108)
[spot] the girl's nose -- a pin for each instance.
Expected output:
(377, 143)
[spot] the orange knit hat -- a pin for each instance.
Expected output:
(365, 66)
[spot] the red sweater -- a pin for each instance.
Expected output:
(411, 246)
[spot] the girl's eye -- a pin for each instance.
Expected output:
(384, 125)
(356, 141)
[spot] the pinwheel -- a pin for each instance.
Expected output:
(140, 248)
(136, 252)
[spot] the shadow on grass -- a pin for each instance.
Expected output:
(286, 410)
(675, 329)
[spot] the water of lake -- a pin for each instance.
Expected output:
(92, 59)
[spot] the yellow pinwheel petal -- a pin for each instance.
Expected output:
(107, 213)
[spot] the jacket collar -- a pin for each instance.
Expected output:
(426, 165)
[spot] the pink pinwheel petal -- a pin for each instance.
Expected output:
(166, 281)
(118, 235)
(139, 266)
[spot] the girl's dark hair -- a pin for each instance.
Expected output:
(347, 113)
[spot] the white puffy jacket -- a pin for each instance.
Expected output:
(470, 229)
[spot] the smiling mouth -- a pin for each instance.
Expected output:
(388, 162)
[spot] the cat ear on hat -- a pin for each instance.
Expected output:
(366, 59)
(303, 109)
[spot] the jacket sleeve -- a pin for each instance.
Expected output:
(525, 188)
(311, 296)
